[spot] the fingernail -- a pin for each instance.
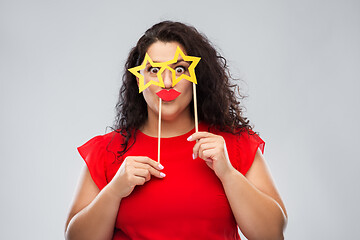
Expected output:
(162, 174)
(193, 155)
(161, 166)
(189, 138)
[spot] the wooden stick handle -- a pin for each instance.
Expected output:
(159, 130)
(195, 108)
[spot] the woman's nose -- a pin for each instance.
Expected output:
(167, 78)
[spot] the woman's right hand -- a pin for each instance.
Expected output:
(134, 171)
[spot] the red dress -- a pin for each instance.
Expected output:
(189, 203)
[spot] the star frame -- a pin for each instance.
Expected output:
(194, 61)
(165, 65)
(135, 71)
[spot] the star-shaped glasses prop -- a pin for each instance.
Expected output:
(166, 65)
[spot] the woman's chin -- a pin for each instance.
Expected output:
(166, 116)
(169, 113)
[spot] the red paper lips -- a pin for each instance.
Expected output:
(168, 95)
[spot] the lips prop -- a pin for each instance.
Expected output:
(168, 95)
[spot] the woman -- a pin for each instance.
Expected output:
(208, 183)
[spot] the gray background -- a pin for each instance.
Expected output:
(60, 68)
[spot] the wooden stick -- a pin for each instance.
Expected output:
(195, 108)
(159, 130)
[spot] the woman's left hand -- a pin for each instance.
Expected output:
(212, 149)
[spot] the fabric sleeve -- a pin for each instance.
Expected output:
(247, 145)
(93, 153)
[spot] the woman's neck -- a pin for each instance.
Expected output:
(169, 128)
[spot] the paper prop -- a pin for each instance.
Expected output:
(135, 71)
(194, 61)
(165, 65)
(172, 94)
(166, 95)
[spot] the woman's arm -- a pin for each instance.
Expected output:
(93, 212)
(254, 200)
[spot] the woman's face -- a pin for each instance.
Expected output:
(171, 109)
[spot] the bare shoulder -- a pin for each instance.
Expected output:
(259, 175)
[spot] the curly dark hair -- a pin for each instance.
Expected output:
(218, 99)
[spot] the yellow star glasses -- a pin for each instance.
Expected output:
(165, 65)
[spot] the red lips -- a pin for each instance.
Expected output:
(168, 95)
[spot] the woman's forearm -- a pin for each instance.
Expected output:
(258, 215)
(97, 220)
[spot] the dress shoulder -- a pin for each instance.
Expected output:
(247, 145)
(98, 153)
(242, 148)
